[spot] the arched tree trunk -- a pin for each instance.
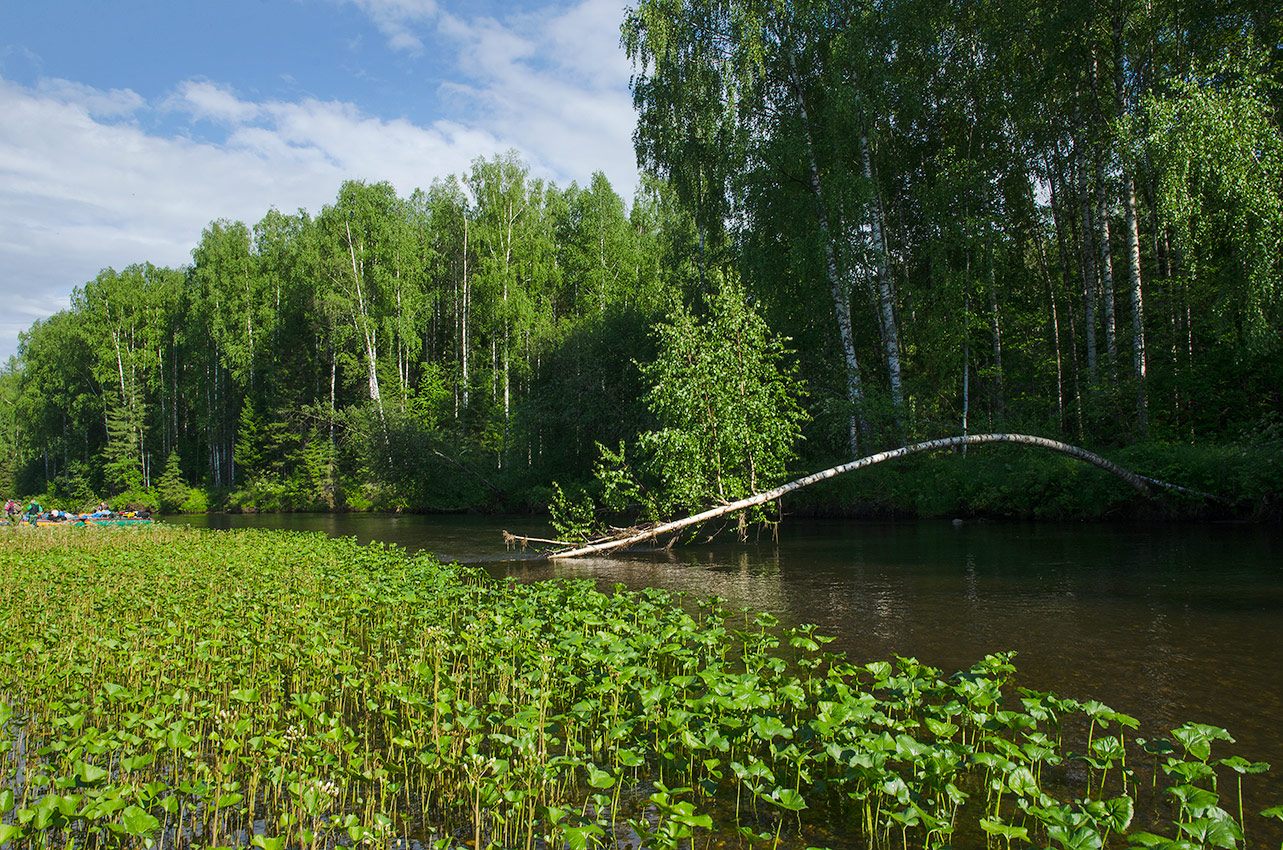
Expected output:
(654, 533)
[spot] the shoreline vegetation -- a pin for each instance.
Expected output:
(175, 688)
(992, 482)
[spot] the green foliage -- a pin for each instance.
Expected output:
(431, 400)
(586, 391)
(1022, 483)
(72, 490)
(264, 680)
(10, 388)
(578, 515)
(574, 516)
(727, 400)
(171, 489)
(443, 312)
(1218, 141)
(123, 467)
(914, 195)
(197, 501)
(726, 394)
(317, 474)
(135, 500)
(248, 452)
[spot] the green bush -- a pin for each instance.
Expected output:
(135, 500)
(197, 501)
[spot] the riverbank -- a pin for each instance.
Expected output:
(991, 482)
(316, 691)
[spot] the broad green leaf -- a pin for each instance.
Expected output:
(138, 821)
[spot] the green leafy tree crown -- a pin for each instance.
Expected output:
(725, 392)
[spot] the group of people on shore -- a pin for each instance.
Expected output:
(14, 513)
(12, 510)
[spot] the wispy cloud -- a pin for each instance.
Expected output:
(558, 81)
(203, 99)
(551, 81)
(398, 19)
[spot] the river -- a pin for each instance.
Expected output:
(1167, 623)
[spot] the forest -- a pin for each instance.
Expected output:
(1062, 219)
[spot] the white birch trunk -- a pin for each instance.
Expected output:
(886, 294)
(1106, 275)
(966, 348)
(1133, 243)
(249, 321)
(334, 371)
(1089, 272)
(463, 318)
(1140, 483)
(995, 330)
(1138, 303)
(837, 289)
(364, 328)
(1102, 242)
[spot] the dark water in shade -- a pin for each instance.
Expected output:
(1167, 623)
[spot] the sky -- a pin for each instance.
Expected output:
(127, 127)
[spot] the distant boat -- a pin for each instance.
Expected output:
(116, 520)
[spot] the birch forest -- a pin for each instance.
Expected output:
(1062, 219)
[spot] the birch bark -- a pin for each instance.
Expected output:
(886, 294)
(1140, 483)
(837, 288)
(1088, 262)
(1133, 244)
(364, 326)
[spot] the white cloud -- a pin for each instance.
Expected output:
(396, 19)
(555, 84)
(586, 40)
(21, 310)
(116, 103)
(212, 102)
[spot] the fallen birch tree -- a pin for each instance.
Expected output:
(654, 532)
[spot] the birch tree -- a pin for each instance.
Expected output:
(450, 233)
(359, 261)
(755, 65)
(1220, 148)
(502, 222)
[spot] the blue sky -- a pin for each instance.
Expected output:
(125, 128)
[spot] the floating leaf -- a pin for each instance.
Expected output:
(138, 821)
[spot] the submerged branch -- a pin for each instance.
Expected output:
(654, 532)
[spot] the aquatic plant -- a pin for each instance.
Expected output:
(272, 690)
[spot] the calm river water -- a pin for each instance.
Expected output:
(1167, 623)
